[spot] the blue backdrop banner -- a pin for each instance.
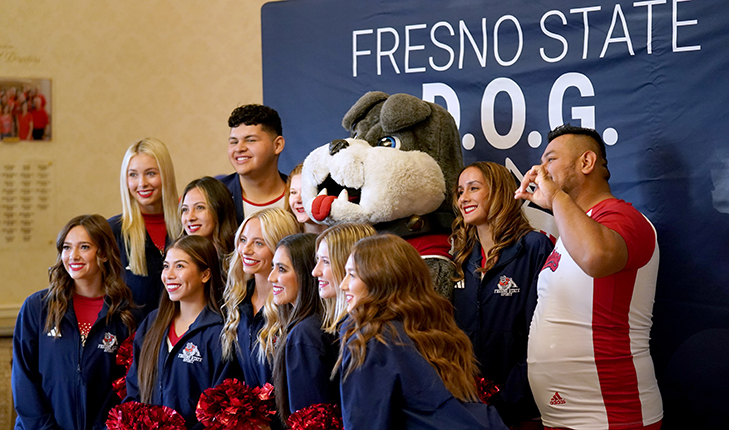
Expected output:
(652, 76)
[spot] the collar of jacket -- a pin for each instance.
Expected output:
(206, 318)
(507, 254)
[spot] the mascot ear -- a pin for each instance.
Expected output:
(403, 111)
(360, 109)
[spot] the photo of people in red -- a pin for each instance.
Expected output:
(25, 109)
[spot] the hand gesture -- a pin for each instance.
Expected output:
(545, 189)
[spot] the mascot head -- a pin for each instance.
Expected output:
(402, 159)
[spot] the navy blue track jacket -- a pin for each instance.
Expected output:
(496, 311)
(255, 372)
(57, 382)
(193, 365)
(146, 290)
(397, 388)
(310, 357)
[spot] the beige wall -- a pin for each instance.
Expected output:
(121, 71)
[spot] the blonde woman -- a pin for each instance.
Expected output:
(248, 289)
(149, 218)
(333, 247)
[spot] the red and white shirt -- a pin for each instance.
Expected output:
(278, 202)
(588, 357)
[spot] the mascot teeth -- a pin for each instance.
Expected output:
(369, 182)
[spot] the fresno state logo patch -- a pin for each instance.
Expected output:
(552, 262)
(190, 353)
(109, 343)
(507, 287)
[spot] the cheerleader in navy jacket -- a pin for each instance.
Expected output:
(207, 210)
(177, 352)
(404, 362)
(66, 336)
(305, 354)
(149, 218)
(498, 257)
(333, 247)
(248, 288)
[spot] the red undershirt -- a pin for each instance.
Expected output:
(267, 203)
(172, 334)
(431, 244)
(155, 225)
(87, 312)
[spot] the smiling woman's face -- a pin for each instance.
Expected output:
(195, 214)
(145, 183)
(352, 285)
(323, 271)
(252, 249)
(182, 278)
(285, 285)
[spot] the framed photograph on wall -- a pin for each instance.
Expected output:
(25, 109)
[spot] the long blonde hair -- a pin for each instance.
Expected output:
(399, 288)
(133, 229)
(504, 215)
(340, 239)
(275, 225)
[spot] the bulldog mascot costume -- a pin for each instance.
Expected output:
(396, 171)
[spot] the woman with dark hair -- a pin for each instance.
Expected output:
(498, 258)
(207, 210)
(177, 352)
(305, 354)
(404, 362)
(66, 336)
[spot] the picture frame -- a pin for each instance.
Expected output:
(25, 110)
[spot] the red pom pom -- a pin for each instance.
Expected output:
(139, 416)
(120, 387)
(125, 353)
(234, 405)
(486, 389)
(321, 416)
(265, 393)
(124, 357)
